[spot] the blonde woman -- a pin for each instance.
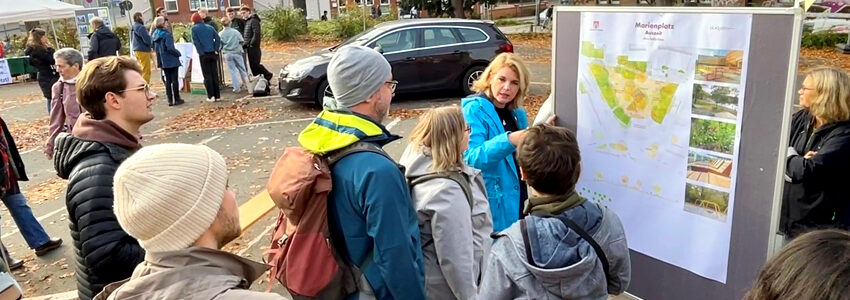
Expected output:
(451, 204)
(498, 121)
(815, 194)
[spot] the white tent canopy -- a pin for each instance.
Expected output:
(14, 11)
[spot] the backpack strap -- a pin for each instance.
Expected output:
(581, 232)
(455, 176)
(359, 146)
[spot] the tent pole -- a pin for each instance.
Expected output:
(55, 39)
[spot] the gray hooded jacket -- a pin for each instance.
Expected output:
(455, 238)
(569, 268)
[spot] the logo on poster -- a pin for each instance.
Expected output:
(595, 26)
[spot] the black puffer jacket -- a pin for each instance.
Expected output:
(815, 195)
(42, 60)
(253, 33)
(105, 253)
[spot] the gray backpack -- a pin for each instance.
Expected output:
(455, 176)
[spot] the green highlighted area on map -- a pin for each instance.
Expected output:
(627, 90)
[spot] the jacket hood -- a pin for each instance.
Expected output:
(333, 130)
(159, 34)
(193, 273)
(104, 31)
(419, 162)
(71, 150)
(562, 257)
(105, 131)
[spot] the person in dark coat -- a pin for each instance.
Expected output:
(207, 42)
(168, 60)
(41, 57)
(102, 42)
(11, 171)
(118, 102)
(205, 15)
(253, 37)
(815, 195)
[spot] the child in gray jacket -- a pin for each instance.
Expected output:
(566, 247)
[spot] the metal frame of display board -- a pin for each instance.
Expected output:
(770, 84)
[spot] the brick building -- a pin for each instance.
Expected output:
(180, 11)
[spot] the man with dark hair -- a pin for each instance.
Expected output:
(118, 102)
(236, 22)
(253, 36)
(102, 42)
(559, 228)
(160, 12)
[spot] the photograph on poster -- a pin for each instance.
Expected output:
(83, 29)
(706, 202)
(710, 169)
(82, 19)
(91, 15)
(712, 135)
(719, 65)
(715, 101)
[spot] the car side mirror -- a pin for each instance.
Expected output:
(379, 49)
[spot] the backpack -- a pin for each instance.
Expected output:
(455, 176)
(261, 88)
(303, 256)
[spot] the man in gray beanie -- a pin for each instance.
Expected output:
(369, 206)
(175, 200)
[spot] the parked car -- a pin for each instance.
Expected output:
(425, 54)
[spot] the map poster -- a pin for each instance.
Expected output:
(659, 113)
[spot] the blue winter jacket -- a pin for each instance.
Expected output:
(141, 39)
(370, 207)
(166, 55)
(205, 38)
(491, 152)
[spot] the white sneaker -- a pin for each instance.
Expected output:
(211, 99)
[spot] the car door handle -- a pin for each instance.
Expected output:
(456, 52)
(411, 58)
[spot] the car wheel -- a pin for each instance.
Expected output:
(469, 78)
(323, 91)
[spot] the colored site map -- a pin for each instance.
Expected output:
(626, 88)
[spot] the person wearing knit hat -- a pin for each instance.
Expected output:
(369, 204)
(186, 188)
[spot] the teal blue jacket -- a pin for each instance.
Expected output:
(369, 206)
(491, 152)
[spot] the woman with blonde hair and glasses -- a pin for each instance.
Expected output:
(451, 203)
(498, 123)
(815, 195)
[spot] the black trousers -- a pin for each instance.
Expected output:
(172, 84)
(254, 57)
(209, 67)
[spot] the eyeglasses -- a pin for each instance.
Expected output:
(392, 84)
(146, 87)
(467, 129)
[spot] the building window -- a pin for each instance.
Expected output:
(385, 2)
(171, 6)
(234, 3)
(194, 5)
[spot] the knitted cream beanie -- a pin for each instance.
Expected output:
(167, 195)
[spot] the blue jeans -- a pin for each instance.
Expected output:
(22, 213)
(236, 67)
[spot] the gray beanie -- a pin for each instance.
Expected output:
(354, 74)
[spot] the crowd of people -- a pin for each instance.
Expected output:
(481, 204)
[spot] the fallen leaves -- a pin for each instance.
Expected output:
(24, 99)
(534, 40)
(29, 135)
(217, 117)
(532, 105)
(822, 57)
(405, 114)
(46, 191)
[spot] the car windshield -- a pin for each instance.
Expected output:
(359, 39)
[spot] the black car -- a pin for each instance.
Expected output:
(425, 55)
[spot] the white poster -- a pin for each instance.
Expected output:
(5, 73)
(659, 109)
(187, 51)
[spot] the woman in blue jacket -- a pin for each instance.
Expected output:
(498, 123)
(167, 59)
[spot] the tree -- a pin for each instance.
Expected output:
(719, 95)
(699, 93)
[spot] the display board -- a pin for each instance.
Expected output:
(5, 73)
(662, 101)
